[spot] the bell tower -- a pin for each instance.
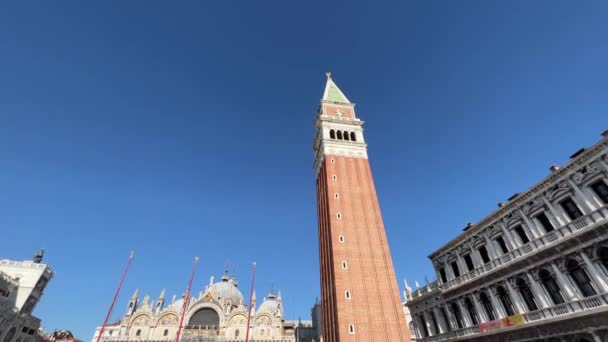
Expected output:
(360, 296)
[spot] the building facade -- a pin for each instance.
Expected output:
(312, 330)
(536, 269)
(22, 284)
(359, 291)
(218, 313)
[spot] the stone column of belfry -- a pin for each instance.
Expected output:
(360, 295)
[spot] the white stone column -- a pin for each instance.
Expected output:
(497, 306)
(419, 327)
(464, 313)
(481, 314)
(595, 274)
(429, 323)
(492, 253)
(596, 337)
(508, 238)
(462, 267)
(538, 291)
(529, 226)
(440, 321)
(477, 262)
(519, 306)
(604, 162)
(451, 320)
(587, 207)
(554, 212)
(564, 283)
(448, 271)
(552, 219)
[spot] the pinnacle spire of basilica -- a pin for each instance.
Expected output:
(162, 294)
(332, 93)
(135, 294)
(271, 294)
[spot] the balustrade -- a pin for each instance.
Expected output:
(536, 244)
(571, 307)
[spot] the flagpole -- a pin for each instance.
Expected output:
(186, 300)
(250, 301)
(105, 321)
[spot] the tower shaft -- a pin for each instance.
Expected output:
(360, 295)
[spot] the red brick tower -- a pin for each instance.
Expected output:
(360, 296)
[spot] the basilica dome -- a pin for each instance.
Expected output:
(271, 305)
(226, 290)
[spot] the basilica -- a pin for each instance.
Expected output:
(219, 312)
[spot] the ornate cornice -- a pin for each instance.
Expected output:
(552, 185)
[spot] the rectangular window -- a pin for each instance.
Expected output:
(601, 190)
(571, 208)
(544, 221)
(502, 245)
(351, 329)
(455, 269)
(469, 261)
(519, 230)
(584, 283)
(483, 252)
(444, 277)
(553, 290)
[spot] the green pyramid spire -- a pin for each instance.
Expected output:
(333, 93)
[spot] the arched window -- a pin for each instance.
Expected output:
(526, 294)
(457, 315)
(346, 137)
(580, 278)
(332, 134)
(505, 300)
(471, 310)
(166, 332)
(603, 256)
(205, 317)
(236, 333)
(487, 306)
(339, 135)
(550, 285)
(353, 136)
(138, 332)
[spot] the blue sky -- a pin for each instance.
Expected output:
(183, 129)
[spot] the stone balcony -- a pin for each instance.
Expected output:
(546, 241)
(598, 303)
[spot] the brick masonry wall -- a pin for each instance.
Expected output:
(375, 307)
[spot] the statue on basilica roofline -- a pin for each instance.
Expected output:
(38, 256)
